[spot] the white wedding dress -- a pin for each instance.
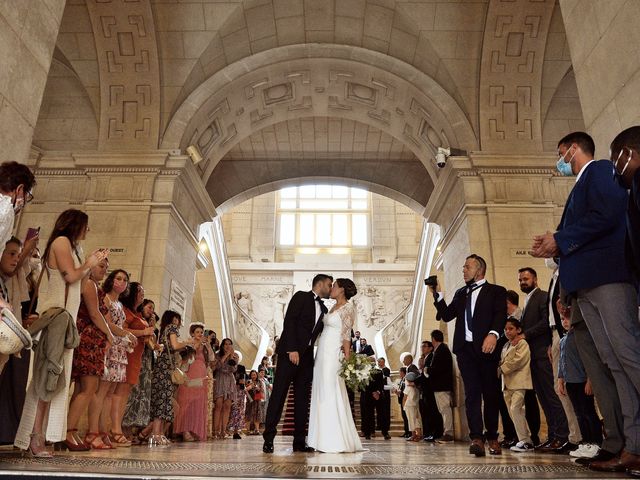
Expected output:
(331, 426)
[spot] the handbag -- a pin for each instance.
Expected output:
(13, 336)
(178, 377)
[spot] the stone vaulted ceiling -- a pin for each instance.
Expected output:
(478, 75)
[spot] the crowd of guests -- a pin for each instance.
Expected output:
(573, 350)
(129, 372)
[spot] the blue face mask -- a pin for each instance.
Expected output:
(565, 167)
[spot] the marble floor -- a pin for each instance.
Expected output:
(244, 459)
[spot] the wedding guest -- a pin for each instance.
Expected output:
(255, 389)
(239, 405)
(191, 420)
(136, 325)
(411, 396)
(400, 393)
(16, 183)
(14, 368)
(383, 410)
(60, 289)
(101, 409)
(440, 374)
(515, 369)
(267, 386)
(136, 413)
(162, 388)
(89, 357)
(573, 381)
(225, 387)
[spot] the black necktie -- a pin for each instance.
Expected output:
(470, 289)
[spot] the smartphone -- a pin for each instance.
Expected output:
(32, 232)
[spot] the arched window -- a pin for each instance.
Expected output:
(323, 216)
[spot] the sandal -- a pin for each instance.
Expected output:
(37, 447)
(119, 439)
(139, 439)
(91, 437)
(106, 440)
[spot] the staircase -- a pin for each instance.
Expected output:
(285, 427)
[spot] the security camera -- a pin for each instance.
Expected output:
(441, 156)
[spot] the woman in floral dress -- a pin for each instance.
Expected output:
(239, 405)
(162, 388)
(115, 372)
(224, 368)
(136, 413)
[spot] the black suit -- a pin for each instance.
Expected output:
(440, 370)
(367, 350)
(478, 369)
(369, 405)
(535, 324)
(298, 335)
(432, 424)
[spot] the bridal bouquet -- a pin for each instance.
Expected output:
(356, 371)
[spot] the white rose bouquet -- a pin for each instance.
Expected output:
(356, 371)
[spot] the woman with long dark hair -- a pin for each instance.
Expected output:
(137, 326)
(60, 287)
(136, 413)
(103, 408)
(224, 368)
(162, 388)
(88, 358)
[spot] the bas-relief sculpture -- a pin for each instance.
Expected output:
(266, 304)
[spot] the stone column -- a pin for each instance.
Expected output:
(28, 32)
(145, 207)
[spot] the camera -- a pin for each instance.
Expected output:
(441, 156)
(431, 281)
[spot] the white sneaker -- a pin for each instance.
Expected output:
(585, 450)
(522, 447)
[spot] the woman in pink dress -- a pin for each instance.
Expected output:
(191, 420)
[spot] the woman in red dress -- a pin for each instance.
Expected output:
(137, 326)
(88, 357)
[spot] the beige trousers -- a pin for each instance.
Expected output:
(515, 402)
(443, 400)
(414, 418)
(574, 429)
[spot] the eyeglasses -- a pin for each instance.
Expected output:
(28, 197)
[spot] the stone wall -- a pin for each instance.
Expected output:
(605, 46)
(28, 32)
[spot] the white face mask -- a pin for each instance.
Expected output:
(550, 263)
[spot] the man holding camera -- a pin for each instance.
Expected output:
(480, 309)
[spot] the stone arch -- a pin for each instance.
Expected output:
(305, 180)
(404, 31)
(319, 80)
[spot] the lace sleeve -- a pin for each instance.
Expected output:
(348, 317)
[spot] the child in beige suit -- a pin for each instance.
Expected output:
(515, 368)
(411, 406)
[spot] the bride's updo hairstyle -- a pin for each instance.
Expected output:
(350, 289)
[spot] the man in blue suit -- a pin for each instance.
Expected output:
(590, 242)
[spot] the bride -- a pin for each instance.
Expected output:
(331, 425)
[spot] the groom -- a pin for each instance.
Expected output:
(302, 325)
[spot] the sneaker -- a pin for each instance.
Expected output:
(522, 447)
(586, 450)
(445, 439)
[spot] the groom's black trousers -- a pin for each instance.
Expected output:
(300, 376)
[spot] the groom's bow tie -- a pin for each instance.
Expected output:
(323, 307)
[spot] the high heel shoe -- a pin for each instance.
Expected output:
(75, 446)
(106, 440)
(39, 450)
(77, 438)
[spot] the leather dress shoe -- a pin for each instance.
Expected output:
(617, 464)
(494, 447)
(387, 436)
(429, 438)
(634, 471)
(477, 448)
(569, 447)
(556, 446)
(267, 447)
(543, 445)
(303, 448)
(602, 456)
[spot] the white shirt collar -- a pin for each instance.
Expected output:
(531, 293)
(479, 283)
(584, 168)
